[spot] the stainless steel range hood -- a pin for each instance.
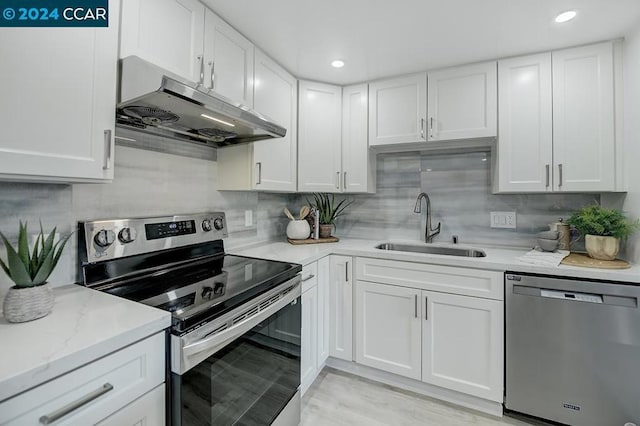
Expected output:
(156, 101)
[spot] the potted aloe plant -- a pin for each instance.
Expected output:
(328, 211)
(31, 297)
(602, 229)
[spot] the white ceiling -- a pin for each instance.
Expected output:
(379, 38)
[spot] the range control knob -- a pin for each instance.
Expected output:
(104, 238)
(206, 225)
(127, 235)
(218, 223)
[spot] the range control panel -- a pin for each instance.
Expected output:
(110, 239)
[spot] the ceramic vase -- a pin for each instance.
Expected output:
(298, 230)
(602, 248)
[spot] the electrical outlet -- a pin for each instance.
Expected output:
(248, 218)
(503, 220)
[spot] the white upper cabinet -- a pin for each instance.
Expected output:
(583, 118)
(275, 95)
(525, 154)
(398, 110)
(167, 33)
(228, 61)
(358, 163)
(319, 137)
(58, 103)
(463, 102)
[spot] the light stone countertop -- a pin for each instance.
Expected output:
(84, 325)
(498, 258)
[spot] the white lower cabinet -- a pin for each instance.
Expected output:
(438, 324)
(97, 391)
(148, 410)
(462, 344)
(309, 342)
(388, 328)
(315, 321)
(341, 307)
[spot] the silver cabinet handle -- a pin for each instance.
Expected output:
(426, 308)
(344, 181)
(107, 150)
(67, 409)
(415, 305)
(422, 128)
(259, 174)
(431, 127)
(560, 174)
(346, 271)
(547, 171)
(212, 64)
(201, 59)
(337, 180)
(308, 278)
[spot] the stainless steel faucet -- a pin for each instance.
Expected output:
(429, 232)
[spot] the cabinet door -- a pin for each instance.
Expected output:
(583, 119)
(319, 137)
(167, 33)
(398, 110)
(275, 160)
(463, 102)
(58, 105)
(147, 410)
(463, 343)
(309, 342)
(388, 328)
(358, 164)
(228, 58)
(341, 307)
(525, 145)
(324, 279)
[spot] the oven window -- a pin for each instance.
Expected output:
(249, 381)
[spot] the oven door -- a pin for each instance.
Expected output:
(243, 368)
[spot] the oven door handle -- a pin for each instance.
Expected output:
(221, 339)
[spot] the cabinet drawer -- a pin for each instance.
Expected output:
(446, 279)
(107, 385)
(309, 276)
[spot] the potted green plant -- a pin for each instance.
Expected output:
(328, 211)
(603, 229)
(31, 297)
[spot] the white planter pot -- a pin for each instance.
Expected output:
(602, 248)
(298, 230)
(27, 304)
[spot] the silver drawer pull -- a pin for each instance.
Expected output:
(69, 408)
(308, 278)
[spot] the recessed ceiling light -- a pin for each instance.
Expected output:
(566, 16)
(337, 63)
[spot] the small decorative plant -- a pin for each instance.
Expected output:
(31, 298)
(595, 220)
(602, 229)
(32, 268)
(328, 210)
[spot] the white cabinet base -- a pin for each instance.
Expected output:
(463, 400)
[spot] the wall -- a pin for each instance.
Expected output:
(146, 183)
(631, 76)
(460, 191)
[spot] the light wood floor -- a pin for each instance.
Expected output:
(338, 398)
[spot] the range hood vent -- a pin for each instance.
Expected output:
(156, 101)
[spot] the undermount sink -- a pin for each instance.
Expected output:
(447, 251)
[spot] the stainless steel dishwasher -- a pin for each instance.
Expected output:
(573, 350)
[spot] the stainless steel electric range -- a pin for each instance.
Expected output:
(235, 335)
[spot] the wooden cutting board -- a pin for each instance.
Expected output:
(312, 241)
(583, 260)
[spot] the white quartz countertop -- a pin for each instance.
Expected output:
(85, 325)
(497, 259)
